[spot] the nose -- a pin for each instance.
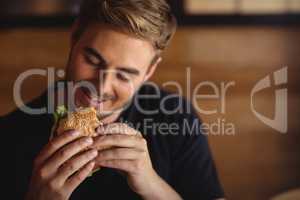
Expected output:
(105, 83)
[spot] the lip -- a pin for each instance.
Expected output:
(86, 99)
(88, 94)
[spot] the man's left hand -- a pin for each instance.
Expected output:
(124, 148)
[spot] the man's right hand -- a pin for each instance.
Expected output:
(61, 166)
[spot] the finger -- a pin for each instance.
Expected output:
(73, 182)
(128, 141)
(119, 153)
(55, 144)
(117, 128)
(74, 164)
(67, 152)
(124, 165)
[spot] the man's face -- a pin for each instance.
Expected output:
(114, 62)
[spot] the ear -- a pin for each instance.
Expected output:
(152, 69)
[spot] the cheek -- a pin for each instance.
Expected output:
(79, 69)
(126, 90)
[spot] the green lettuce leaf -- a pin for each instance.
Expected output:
(61, 112)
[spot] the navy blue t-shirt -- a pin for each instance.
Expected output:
(178, 149)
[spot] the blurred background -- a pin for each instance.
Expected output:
(220, 41)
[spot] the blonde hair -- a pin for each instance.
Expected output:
(151, 20)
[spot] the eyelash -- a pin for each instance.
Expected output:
(119, 75)
(122, 77)
(90, 62)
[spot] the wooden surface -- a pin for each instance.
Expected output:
(255, 163)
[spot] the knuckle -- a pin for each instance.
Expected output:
(52, 145)
(63, 153)
(52, 185)
(78, 178)
(69, 167)
(42, 174)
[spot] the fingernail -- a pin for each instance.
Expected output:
(75, 133)
(94, 153)
(100, 130)
(92, 164)
(89, 140)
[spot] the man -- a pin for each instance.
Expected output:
(122, 40)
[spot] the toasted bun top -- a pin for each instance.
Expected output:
(84, 120)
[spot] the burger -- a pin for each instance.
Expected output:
(84, 120)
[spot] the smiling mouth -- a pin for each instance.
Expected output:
(87, 93)
(94, 102)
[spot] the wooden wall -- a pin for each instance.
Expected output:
(256, 162)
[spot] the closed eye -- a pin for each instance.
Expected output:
(122, 76)
(94, 62)
(93, 58)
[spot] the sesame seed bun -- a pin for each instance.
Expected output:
(84, 120)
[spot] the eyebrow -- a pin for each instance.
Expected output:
(129, 70)
(93, 52)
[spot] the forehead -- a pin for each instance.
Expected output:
(118, 47)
